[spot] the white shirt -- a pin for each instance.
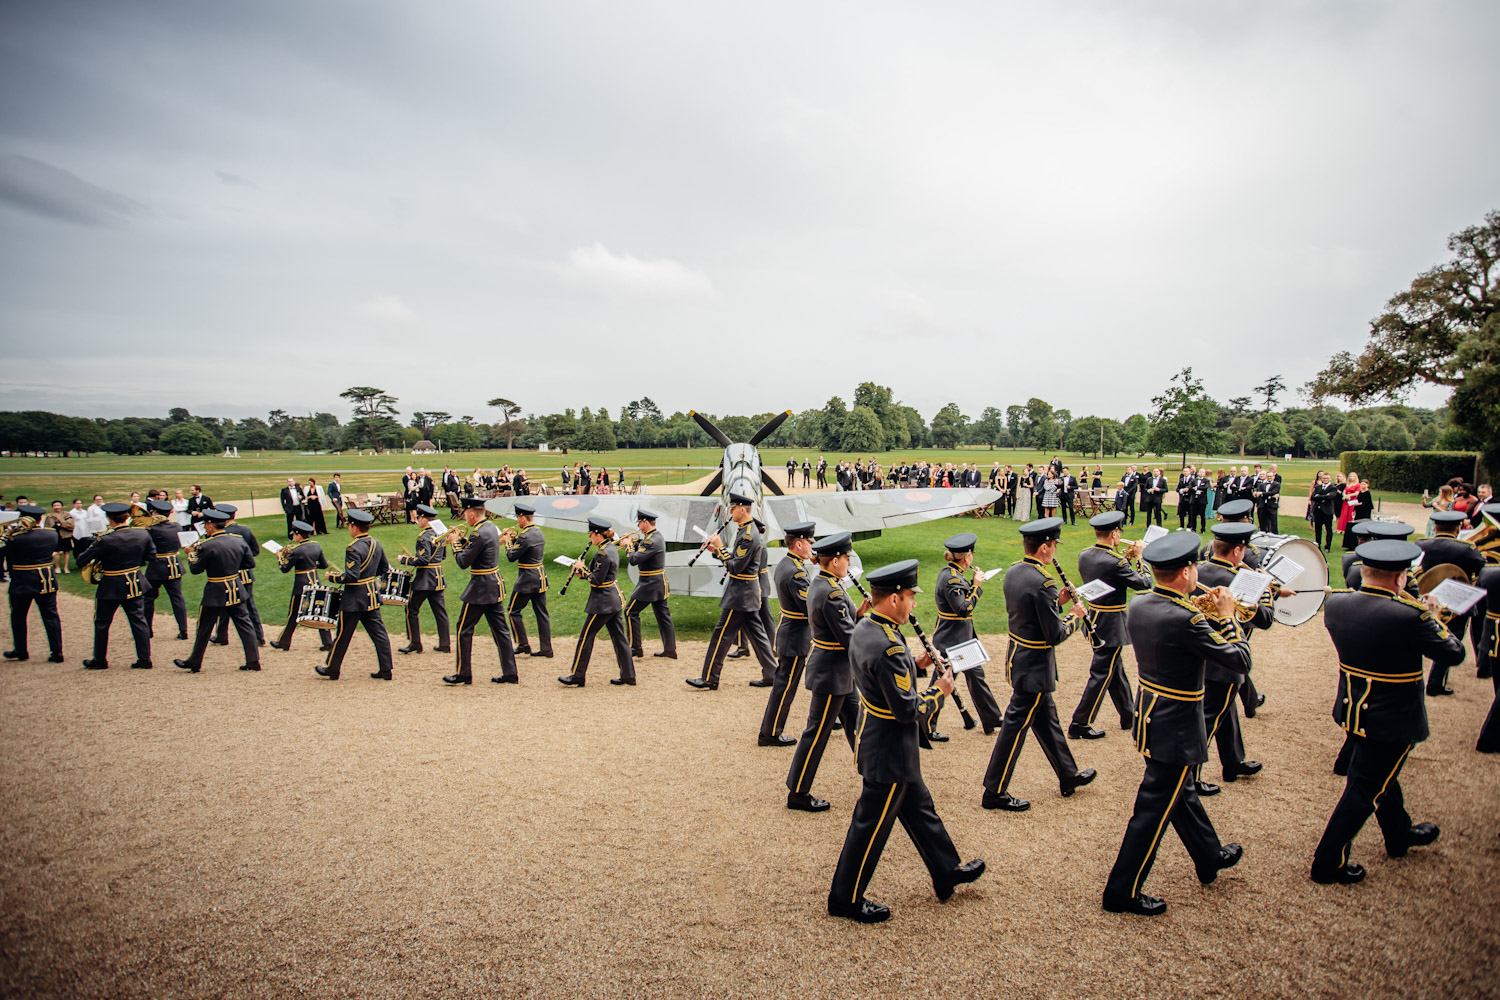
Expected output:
(97, 519)
(180, 507)
(81, 527)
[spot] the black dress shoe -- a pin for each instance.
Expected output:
(805, 802)
(181, 636)
(379, 675)
(403, 649)
(1243, 770)
(666, 655)
(522, 652)
(617, 681)
(866, 911)
(1085, 733)
(1142, 904)
(761, 684)
(276, 644)
(701, 684)
(325, 672)
(456, 679)
(937, 737)
(1347, 875)
(185, 665)
(571, 681)
(545, 656)
(250, 666)
(141, 665)
(95, 665)
(1421, 835)
(961, 875)
(1439, 692)
(774, 741)
(737, 652)
(1229, 856)
(55, 658)
(638, 653)
(11, 654)
(218, 642)
(1004, 800)
(1078, 780)
(1206, 788)
(443, 649)
(506, 679)
(838, 724)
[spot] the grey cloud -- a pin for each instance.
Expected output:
(234, 180)
(54, 193)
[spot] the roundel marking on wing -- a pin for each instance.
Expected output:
(919, 496)
(565, 503)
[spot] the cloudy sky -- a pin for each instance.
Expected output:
(731, 207)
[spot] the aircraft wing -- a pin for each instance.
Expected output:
(876, 510)
(678, 514)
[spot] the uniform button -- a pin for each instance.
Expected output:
(1346, 701)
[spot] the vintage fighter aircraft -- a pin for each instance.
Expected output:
(866, 513)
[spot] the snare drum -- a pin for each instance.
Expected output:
(1309, 583)
(395, 587)
(319, 606)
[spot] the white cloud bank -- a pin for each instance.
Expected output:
(597, 268)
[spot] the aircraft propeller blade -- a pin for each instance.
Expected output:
(710, 430)
(768, 429)
(770, 484)
(713, 484)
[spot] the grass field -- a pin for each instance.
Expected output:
(694, 617)
(263, 475)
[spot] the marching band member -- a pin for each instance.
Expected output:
(603, 608)
(427, 584)
(889, 759)
(740, 605)
(1037, 626)
(1446, 548)
(120, 553)
(650, 557)
(1381, 636)
(221, 555)
(165, 571)
(792, 638)
(955, 598)
(364, 565)
(303, 558)
(33, 580)
(483, 597)
(247, 578)
(527, 549)
(1109, 617)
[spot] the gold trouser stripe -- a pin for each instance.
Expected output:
(1109, 675)
(1173, 693)
(1415, 675)
(875, 710)
(1010, 762)
(578, 650)
(1029, 643)
(822, 727)
(1344, 858)
(871, 845)
(1218, 716)
(787, 692)
(484, 572)
(1156, 838)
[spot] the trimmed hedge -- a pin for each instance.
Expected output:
(1410, 471)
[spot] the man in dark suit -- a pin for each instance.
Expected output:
(1130, 483)
(1153, 492)
(197, 504)
(1068, 488)
(409, 493)
(424, 488)
(293, 504)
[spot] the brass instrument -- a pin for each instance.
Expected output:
(508, 534)
(1486, 538)
(1430, 579)
(92, 572)
(284, 554)
(1207, 604)
(16, 527)
(459, 536)
(627, 541)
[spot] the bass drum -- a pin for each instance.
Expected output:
(396, 587)
(1309, 584)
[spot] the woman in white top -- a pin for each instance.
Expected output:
(180, 511)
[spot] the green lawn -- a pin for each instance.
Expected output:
(263, 475)
(999, 547)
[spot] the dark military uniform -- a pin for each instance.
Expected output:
(1448, 550)
(427, 586)
(364, 565)
(120, 554)
(1221, 714)
(604, 611)
(527, 550)
(1489, 657)
(165, 573)
(222, 556)
(1381, 638)
(1172, 639)
(793, 641)
(650, 561)
(1036, 626)
(303, 562)
(956, 598)
(33, 581)
(482, 599)
(828, 676)
(740, 607)
(1110, 621)
(890, 765)
(247, 587)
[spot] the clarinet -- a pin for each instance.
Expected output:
(1088, 626)
(573, 573)
(704, 547)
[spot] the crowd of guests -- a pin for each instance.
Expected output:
(1458, 495)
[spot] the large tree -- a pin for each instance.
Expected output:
(1182, 417)
(948, 426)
(862, 431)
(374, 414)
(1269, 436)
(1270, 388)
(508, 411)
(1445, 330)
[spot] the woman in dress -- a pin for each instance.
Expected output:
(180, 511)
(1357, 502)
(61, 521)
(1049, 494)
(1443, 501)
(315, 506)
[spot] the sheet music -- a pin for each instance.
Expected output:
(1285, 569)
(563, 561)
(7, 516)
(1457, 597)
(187, 538)
(967, 656)
(1248, 585)
(1095, 589)
(1153, 533)
(272, 547)
(438, 526)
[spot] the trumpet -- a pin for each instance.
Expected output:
(627, 541)
(284, 554)
(459, 536)
(19, 526)
(508, 534)
(1207, 603)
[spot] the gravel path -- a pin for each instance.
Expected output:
(273, 834)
